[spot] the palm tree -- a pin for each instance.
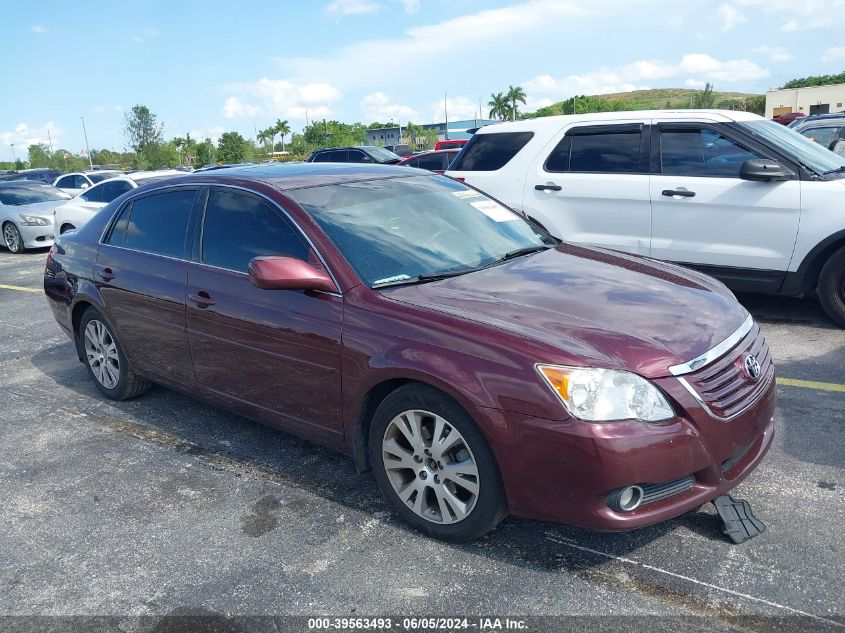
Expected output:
(498, 106)
(266, 136)
(515, 95)
(282, 128)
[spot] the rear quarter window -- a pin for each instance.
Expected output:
(489, 152)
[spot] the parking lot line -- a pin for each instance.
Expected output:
(20, 288)
(811, 384)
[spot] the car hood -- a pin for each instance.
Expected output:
(592, 307)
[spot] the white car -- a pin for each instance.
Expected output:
(744, 199)
(76, 212)
(26, 214)
(78, 182)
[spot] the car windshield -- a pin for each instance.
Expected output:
(19, 196)
(807, 152)
(382, 155)
(397, 229)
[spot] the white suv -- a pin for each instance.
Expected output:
(742, 198)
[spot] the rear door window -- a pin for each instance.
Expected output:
(431, 162)
(339, 156)
(112, 190)
(607, 149)
(489, 152)
(158, 223)
(322, 157)
(239, 226)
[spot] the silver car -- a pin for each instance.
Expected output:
(26, 214)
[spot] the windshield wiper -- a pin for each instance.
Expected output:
(526, 250)
(834, 171)
(425, 277)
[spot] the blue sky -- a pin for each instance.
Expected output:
(208, 67)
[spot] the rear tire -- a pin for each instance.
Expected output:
(831, 287)
(434, 466)
(104, 358)
(12, 238)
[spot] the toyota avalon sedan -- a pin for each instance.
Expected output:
(478, 366)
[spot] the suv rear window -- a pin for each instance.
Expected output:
(489, 152)
(598, 150)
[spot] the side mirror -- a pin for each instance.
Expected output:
(763, 169)
(288, 273)
(84, 185)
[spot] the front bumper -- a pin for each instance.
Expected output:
(37, 236)
(563, 471)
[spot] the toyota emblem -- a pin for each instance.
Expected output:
(752, 367)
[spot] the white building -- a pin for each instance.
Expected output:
(811, 100)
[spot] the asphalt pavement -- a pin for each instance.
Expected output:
(164, 505)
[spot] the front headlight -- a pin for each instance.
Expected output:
(32, 220)
(606, 395)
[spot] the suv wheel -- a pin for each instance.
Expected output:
(434, 466)
(831, 288)
(106, 361)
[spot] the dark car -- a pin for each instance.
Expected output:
(479, 366)
(436, 161)
(360, 154)
(827, 130)
(38, 174)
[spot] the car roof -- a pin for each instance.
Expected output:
(329, 149)
(554, 123)
(820, 117)
(24, 183)
(299, 175)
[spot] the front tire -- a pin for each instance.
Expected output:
(106, 363)
(831, 288)
(434, 466)
(12, 238)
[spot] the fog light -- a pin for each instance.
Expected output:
(625, 499)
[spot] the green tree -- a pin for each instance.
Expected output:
(141, 127)
(498, 106)
(233, 148)
(816, 80)
(515, 96)
(266, 138)
(187, 148)
(282, 128)
(704, 99)
(157, 156)
(39, 155)
(206, 153)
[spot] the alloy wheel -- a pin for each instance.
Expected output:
(11, 237)
(101, 352)
(430, 466)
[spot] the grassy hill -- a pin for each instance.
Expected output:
(654, 99)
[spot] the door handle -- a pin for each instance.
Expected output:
(683, 193)
(202, 299)
(105, 274)
(548, 187)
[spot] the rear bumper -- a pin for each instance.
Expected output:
(563, 471)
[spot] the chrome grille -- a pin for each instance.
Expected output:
(723, 386)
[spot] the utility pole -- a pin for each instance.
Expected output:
(446, 115)
(87, 149)
(15, 156)
(50, 138)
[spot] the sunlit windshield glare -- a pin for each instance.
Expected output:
(395, 229)
(808, 152)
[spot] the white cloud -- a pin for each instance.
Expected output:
(834, 53)
(97, 109)
(699, 68)
(459, 108)
(421, 46)
(695, 83)
(40, 29)
(23, 136)
(731, 16)
(790, 26)
(274, 98)
(137, 39)
(379, 107)
(774, 53)
(351, 7)
(214, 133)
(411, 6)
(146, 34)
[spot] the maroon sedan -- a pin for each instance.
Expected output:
(478, 366)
